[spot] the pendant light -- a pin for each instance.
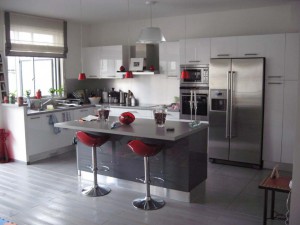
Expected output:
(81, 75)
(129, 73)
(151, 35)
(184, 73)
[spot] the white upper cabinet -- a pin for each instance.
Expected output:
(104, 61)
(169, 59)
(91, 61)
(292, 59)
(251, 46)
(223, 47)
(111, 58)
(274, 53)
(195, 51)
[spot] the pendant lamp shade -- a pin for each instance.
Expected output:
(151, 35)
(81, 76)
(184, 74)
(128, 74)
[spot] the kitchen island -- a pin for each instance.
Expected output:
(182, 164)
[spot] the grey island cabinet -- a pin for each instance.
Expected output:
(177, 172)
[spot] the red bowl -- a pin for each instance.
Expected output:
(126, 118)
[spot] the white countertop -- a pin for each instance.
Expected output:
(144, 128)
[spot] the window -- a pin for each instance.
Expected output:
(33, 73)
(28, 35)
(35, 47)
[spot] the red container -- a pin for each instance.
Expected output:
(39, 94)
(126, 118)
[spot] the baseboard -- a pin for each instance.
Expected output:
(51, 153)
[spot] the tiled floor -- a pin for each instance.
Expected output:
(48, 192)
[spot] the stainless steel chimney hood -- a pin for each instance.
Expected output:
(150, 54)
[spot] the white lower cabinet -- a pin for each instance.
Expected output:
(280, 118)
(79, 113)
(138, 113)
(289, 126)
(42, 136)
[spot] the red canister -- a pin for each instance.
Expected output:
(39, 94)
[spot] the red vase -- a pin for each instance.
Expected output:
(126, 118)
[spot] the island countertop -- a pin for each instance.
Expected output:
(144, 128)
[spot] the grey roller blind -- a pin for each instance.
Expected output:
(35, 36)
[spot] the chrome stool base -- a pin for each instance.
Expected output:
(148, 203)
(99, 190)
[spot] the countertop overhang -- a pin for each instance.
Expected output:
(143, 128)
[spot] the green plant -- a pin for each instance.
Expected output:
(52, 91)
(13, 94)
(60, 91)
(27, 92)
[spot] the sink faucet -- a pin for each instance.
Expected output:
(44, 103)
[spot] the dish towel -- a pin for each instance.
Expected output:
(52, 121)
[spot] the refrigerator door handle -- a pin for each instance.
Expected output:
(231, 103)
(227, 104)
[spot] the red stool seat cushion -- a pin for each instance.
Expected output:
(142, 149)
(91, 140)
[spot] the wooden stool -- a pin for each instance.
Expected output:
(280, 184)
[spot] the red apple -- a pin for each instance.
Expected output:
(151, 68)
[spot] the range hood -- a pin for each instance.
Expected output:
(150, 55)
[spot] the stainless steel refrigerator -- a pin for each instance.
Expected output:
(236, 110)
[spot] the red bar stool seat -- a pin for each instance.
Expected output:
(146, 151)
(93, 141)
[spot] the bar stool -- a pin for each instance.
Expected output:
(146, 150)
(93, 141)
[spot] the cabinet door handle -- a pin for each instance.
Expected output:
(84, 110)
(223, 55)
(274, 83)
(34, 118)
(250, 54)
(274, 76)
(194, 61)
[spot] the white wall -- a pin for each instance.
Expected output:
(276, 19)
(265, 20)
(295, 197)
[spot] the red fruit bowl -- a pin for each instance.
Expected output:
(126, 118)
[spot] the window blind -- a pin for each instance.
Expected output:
(35, 36)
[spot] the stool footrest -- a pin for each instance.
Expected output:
(95, 191)
(148, 203)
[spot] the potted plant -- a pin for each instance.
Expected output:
(12, 97)
(52, 91)
(60, 91)
(27, 93)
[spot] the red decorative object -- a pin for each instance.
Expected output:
(122, 68)
(185, 74)
(81, 76)
(39, 94)
(126, 118)
(151, 68)
(3, 148)
(128, 74)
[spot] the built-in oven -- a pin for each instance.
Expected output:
(187, 94)
(197, 75)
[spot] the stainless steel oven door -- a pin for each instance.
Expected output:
(202, 104)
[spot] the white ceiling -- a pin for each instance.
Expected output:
(97, 11)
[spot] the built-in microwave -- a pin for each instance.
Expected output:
(197, 75)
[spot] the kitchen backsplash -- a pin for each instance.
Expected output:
(156, 89)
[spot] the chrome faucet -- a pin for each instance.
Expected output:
(44, 103)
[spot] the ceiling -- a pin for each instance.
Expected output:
(98, 11)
